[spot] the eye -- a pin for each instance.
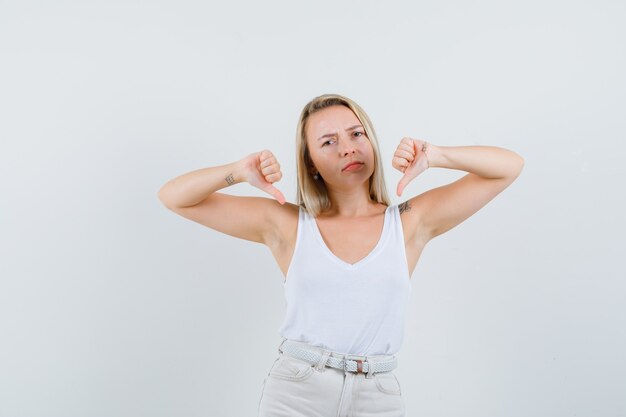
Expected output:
(360, 133)
(324, 144)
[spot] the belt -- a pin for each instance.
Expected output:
(345, 364)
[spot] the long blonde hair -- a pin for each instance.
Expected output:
(312, 194)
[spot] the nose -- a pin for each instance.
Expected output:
(346, 147)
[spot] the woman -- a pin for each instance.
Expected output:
(346, 252)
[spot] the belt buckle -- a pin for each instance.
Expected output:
(359, 365)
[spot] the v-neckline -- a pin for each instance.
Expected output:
(367, 257)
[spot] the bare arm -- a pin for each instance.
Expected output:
(190, 189)
(484, 161)
(194, 196)
(490, 170)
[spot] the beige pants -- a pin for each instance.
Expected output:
(296, 388)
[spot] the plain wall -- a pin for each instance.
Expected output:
(112, 305)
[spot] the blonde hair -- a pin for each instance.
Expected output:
(312, 194)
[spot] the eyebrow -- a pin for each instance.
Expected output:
(332, 134)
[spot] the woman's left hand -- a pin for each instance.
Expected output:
(410, 160)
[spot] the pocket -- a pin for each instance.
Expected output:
(290, 368)
(387, 383)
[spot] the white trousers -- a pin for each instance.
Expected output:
(296, 388)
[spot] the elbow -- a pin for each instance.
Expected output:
(515, 168)
(161, 195)
(520, 164)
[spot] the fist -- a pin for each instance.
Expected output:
(261, 169)
(410, 159)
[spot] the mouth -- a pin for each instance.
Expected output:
(352, 165)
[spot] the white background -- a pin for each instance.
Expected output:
(112, 305)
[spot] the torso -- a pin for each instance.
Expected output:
(340, 237)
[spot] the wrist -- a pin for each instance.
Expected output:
(434, 155)
(236, 170)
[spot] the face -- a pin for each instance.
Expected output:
(336, 137)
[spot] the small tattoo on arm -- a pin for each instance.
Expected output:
(406, 206)
(230, 179)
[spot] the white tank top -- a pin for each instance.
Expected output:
(356, 309)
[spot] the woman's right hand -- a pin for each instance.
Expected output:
(261, 169)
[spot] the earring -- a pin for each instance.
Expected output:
(316, 176)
